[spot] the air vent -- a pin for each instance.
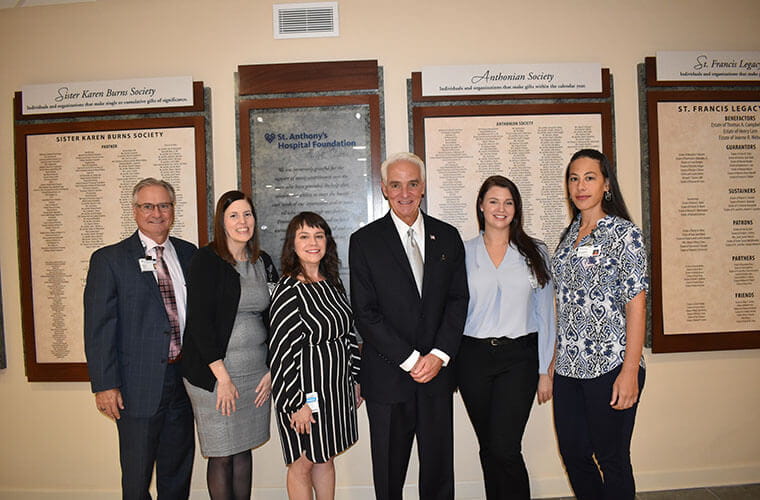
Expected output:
(305, 20)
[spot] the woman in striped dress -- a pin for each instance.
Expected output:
(314, 359)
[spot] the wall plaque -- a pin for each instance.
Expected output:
(74, 189)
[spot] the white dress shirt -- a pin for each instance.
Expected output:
(175, 271)
(419, 238)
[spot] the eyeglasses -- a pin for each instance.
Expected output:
(147, 208)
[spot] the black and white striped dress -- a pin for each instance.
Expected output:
(313, 348)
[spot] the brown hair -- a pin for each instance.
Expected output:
(329, 265)
(527, 246)
(219, 243)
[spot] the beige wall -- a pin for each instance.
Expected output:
(699, 415)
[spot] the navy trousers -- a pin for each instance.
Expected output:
(165, 440)
(595, 439)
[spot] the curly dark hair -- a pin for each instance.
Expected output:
(329, 265)
(527, 246)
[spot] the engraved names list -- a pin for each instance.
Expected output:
(530, 150)
(80, 199)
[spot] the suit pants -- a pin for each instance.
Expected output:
(591, 432)
(498, 384)
(393, 427)
(165, 439)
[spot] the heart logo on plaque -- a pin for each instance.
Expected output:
(269, 136)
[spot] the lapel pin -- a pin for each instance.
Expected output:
(432, 236)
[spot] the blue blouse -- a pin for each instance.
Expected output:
(594, 282)
(506, 301)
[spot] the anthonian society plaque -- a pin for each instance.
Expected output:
(80, 199)
(709, 211)
(530, 150)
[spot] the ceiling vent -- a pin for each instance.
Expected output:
(305, 20)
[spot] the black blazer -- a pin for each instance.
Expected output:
(391, 317)
(126, 329)
(213, 295)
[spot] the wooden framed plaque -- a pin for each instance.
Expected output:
(704, 177)
(312, 141)
(527, 138)
(74, 181)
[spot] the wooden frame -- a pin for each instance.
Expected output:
(653, 91)
(662, 342)
(510, 106)
(317, 84)
(195, 117)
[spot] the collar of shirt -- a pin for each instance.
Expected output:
(419, 230)
(150, 246)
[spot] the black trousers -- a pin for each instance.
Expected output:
(595, 439)
(394, 426)
(498, 384)
(165, 440)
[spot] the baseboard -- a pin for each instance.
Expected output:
(465, 490)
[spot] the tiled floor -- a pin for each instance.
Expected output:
(742, 492)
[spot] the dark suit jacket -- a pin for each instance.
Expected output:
(391, 317)
(213, 295)
(126, 329)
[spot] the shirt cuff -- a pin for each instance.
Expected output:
(410, 361)
(441, 355)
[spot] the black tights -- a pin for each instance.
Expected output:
(229, 478)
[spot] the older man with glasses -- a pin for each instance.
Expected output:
(134, 316)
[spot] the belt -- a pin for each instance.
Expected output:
(497, 341)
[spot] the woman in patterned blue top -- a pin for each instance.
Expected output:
(600, 273)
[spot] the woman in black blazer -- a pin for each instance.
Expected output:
(225, 346)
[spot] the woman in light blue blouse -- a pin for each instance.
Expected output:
(600, 272)
(508, 337)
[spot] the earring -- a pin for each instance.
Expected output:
(608, 195)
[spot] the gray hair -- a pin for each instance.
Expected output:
(399, 157)
(150, 181)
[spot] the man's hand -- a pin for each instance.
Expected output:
(426, 368)
(109, 402)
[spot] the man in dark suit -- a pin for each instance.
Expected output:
(409, 297)
(134, 314)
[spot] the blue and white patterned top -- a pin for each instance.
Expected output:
(594, 282)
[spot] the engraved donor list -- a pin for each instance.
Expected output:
(530, 150)
(80, 199)
(710, 215)
(311, 159)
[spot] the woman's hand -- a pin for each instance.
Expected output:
(226, 394)
(358, 395)
(625, 390)
(544, 391)
(301, 420)
(263, 390)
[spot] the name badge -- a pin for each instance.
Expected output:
(313, 402)
(587, 251)
(147, 265)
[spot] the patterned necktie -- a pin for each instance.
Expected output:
(415, 259)
(170, 303)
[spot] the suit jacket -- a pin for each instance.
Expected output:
(126, 328)
(213, 296)
(392, 318)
